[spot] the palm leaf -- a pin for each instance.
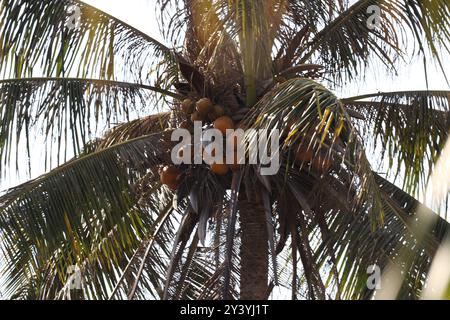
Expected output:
(310, 116)
(62, 216)
(68, 112)
(409, 128)
(347, 44)
(93, 49)
(357, 247)
(134, 129)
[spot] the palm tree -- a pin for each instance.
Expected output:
(313, 228)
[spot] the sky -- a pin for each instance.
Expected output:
(141, 15)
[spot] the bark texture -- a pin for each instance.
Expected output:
(254, 251)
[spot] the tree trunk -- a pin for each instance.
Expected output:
(254, 251)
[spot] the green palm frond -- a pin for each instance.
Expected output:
(134, 129)
(312, 117)
(345, 245)
(92, 49)
(409, 128)
(404, 226)
(144, 274)
(67, 112)
(252, 23)
(347, 44)
(301, 21)
(85, 205)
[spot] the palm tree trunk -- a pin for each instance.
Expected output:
(254, 251)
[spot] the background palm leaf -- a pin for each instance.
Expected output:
(91, 50)
(410, 127)
(67, 111)
(88, 209)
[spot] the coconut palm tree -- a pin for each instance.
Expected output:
(137, 226)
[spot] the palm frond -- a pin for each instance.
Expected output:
(36, 42)
(410, 130)
(301, 21)
(345, 244)
(309, 116)
(65, 112)
(252, 24)
(347, 44)
(134, 129)
(85, 205)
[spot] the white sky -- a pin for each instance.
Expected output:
(141, 14)
(137, 13)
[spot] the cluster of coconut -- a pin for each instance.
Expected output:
(306, 155)
(170, 176)
(202, 110)
(205, 111)
(320, 163)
